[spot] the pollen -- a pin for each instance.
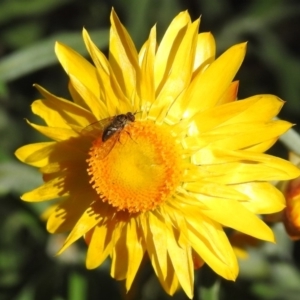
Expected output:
(142, 170)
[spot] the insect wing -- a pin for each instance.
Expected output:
(95, 130)
(107, 146)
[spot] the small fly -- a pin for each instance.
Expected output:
(109, 129)
(116, 125)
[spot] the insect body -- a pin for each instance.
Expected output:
(116, 125)
(109, 129)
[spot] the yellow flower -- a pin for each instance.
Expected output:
(291, 191)
(165, 185)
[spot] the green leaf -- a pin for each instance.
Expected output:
(17, 8)
(77, 286)
(210, 293)
(18, 178)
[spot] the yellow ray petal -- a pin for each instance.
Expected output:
(231, 213)
(258, 165)
(49, 211)
(77, 66)
(76, 97)
(205, 50)
(37, 154)
(68, 111)
(97, 107)
(48, 155)
(146, 87)
(207, 88)
(181, 259)
(61, 113)
(120, 254)
(233, 137)
(233, 173)
(57, 134)
(48, 191)
(265, 198)
(100, 245)
(230, 94)
(262, 147)
(110, 91)
(123, 56)
(136, 249)
(157, 245)
(168, 47)
(170, 283)
(87, 221)
(216, 190)
(263, 108)
(179, 76)
(72, 163)
(258, 108)
(211, 243)
(65, 215)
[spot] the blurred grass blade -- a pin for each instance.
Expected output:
(14, 9)
(77, 286)
(210, 293)
(41, 55)
(17, 178)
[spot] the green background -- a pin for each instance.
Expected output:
(28, 30)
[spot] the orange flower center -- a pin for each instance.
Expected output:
(142, 169)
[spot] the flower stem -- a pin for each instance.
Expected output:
(291, 139)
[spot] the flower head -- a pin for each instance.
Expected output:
(173, 161)
(291, 191)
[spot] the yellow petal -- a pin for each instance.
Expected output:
(207, 88)
(77, 66)
(179, 76)
(48, 191)
(168, 47)
(110, 91)
(157, 245)
(262, 147)
(260, 166)
(216, 190)
(234, 137)
(57, 134)
(230, 94)
(182, 262)
(37, 154)
(265, 198)
(260, 108)
(61, 113)
(211, 243)
(205, 50)
(119, 255)
(170, 282)
(76, 97)
(231, 213)
(123, 56)
(98, 108)
(65, 215)
(88, 220)
(100, 245)
(146, 86)
(136, 251)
